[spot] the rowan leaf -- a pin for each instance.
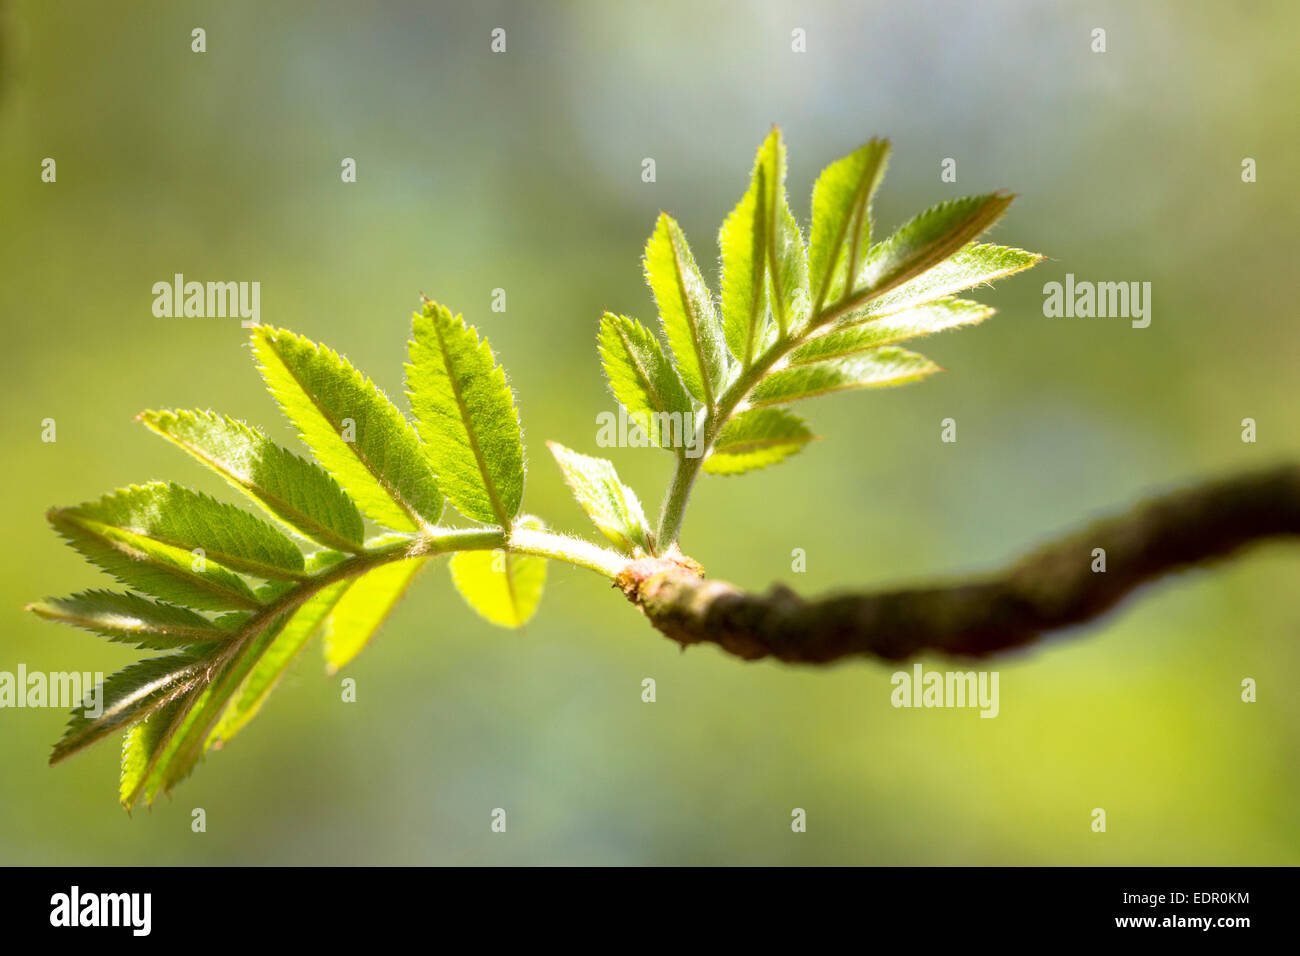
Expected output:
(926, 241)
(744, 272)
(128, 618)
(873, 332)
(644, 381)
(299, 493)
(466, 416)
(974, 264)
(502, 587)
(841, 222)
(755, 439)
(353, 429)
(363, 607)
(128, 696)
(686, 310)
(611, 505)
(877, 368)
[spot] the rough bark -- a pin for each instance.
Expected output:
(1052, 588)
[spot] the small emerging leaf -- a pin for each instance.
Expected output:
(612, 506)
(504, 588)
(643, 380)
(298, 492)
(877, 368)
(686, 311)
(356, 432)
(755, 439)
(466, 415)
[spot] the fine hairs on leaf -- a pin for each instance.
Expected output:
(228, 598)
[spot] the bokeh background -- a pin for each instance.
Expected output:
(522, 171)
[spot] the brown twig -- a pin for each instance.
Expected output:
(1052, 588)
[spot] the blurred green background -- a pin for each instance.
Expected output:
(522, 171)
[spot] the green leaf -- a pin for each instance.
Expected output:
(871, 333)
(686, 311)
(466, 415)
(297, 492)
(787, 260)
(877, 368)
(384, 468)
(115, 533)
(141, 743)
(744, 272)
(505, 588)
(755, 439)
(128, 696)
(927, 240)
(363, 607)
(611, 505)
(644, 381)
(841, 223)
(275, 660)
(131, 619)
(973, 265)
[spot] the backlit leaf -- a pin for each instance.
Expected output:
(755, 439)
(612, 506)
(877, 368)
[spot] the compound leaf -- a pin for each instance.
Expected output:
(973, 264)
(611, 505)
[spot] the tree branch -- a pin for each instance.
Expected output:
(1052, 588)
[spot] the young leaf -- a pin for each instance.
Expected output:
(140, 745)
(262, 677)
(297, 492)
(504, 588)
(926, 241)
(642, 378)
(755, 439)
(877, 368)
(128, 696)
(871, 333)
(787, 260)
(744, 272)
(973, 265)
(165, 570)
(611, 505)
(466, 415)
(686, 311)
(841, 223)
(131, 619)
(363, 607)
(355, 431)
